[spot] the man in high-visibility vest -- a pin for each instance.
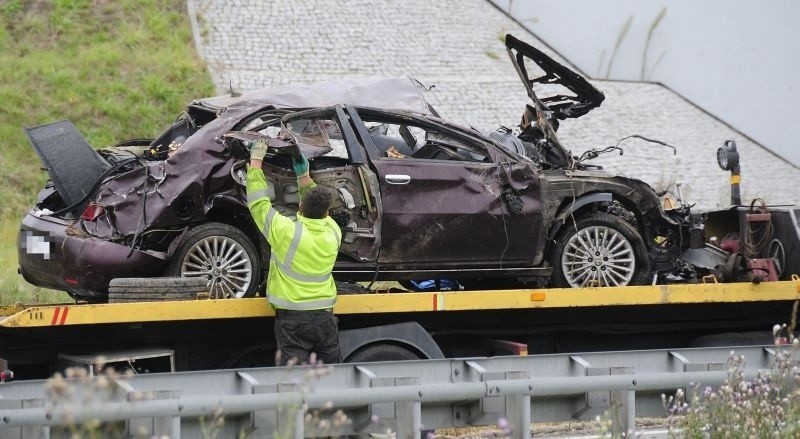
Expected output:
(299, 284)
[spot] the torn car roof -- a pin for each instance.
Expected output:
(402, 94)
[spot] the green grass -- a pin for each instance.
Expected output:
(117, 69)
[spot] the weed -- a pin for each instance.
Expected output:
(74, 388)
(620, 37)
(12, 7)
(765, 406)
(650, 32)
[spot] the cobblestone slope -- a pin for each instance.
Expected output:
(457, 46)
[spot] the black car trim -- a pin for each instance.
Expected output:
(467, 136)
(356, 156)
(558, 221)
(366, 139)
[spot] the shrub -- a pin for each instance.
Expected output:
(767, 405)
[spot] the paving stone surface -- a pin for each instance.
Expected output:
(456, 46)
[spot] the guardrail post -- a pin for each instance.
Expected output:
(473, 412)
(594, 403)
(623, 406)
(263, 420)
(408, 414)
(155, 426)
(689, 366)
(518, 409)
(38, 431)
(291, 420)
(362, 418)
(299, 425)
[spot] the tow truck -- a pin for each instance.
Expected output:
(720, 310)
(36, 341)
(760, 244)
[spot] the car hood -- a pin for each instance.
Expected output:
(562, 92)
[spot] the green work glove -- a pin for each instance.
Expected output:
(258, 149)
(300, 165)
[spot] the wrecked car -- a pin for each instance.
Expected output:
(417, 197)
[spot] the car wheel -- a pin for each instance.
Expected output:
(223, 255)
(599, 250)
(381, 352)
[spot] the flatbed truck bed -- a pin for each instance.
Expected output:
(208, 334)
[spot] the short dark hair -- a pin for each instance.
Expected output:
(316, 203)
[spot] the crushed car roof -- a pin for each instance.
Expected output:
(386, 93)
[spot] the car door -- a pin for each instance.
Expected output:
(448, 197)
(337, 164)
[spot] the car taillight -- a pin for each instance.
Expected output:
(71, 280)
(91, 212)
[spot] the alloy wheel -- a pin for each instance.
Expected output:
(598, 256)
(223, 262)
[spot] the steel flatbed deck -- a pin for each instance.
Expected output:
(22, 316)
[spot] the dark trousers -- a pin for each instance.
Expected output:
(299, 333)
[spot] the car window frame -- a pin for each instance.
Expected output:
(461, 134)
(335, 113)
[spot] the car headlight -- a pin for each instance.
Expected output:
(727, 156)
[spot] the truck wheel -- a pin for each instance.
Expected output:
(599, 250)
(382, 352)
(752, 338)
(223, 255)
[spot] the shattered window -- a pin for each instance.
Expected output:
(405, 140)
(320, 132)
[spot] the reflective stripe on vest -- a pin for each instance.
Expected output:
(286, 266)
(302, 306)
(268, 220)
(257, 195)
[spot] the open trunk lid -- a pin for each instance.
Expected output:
(73, 165)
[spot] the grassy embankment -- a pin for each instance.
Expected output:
(118, 70)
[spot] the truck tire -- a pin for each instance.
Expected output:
(727, 339)
(221, 254)
(599, 250)
(382, 352)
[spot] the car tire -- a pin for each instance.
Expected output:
(381, 352)
(132, 289)
(619, 255)
(351, 288)
(222, 254)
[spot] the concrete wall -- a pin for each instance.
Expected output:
(735, 58)
(457, 46)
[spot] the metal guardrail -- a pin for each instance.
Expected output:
(405, 397)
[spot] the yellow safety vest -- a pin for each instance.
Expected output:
(303, 252)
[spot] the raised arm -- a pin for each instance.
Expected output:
(304, 180)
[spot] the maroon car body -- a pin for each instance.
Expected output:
(417, 197)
